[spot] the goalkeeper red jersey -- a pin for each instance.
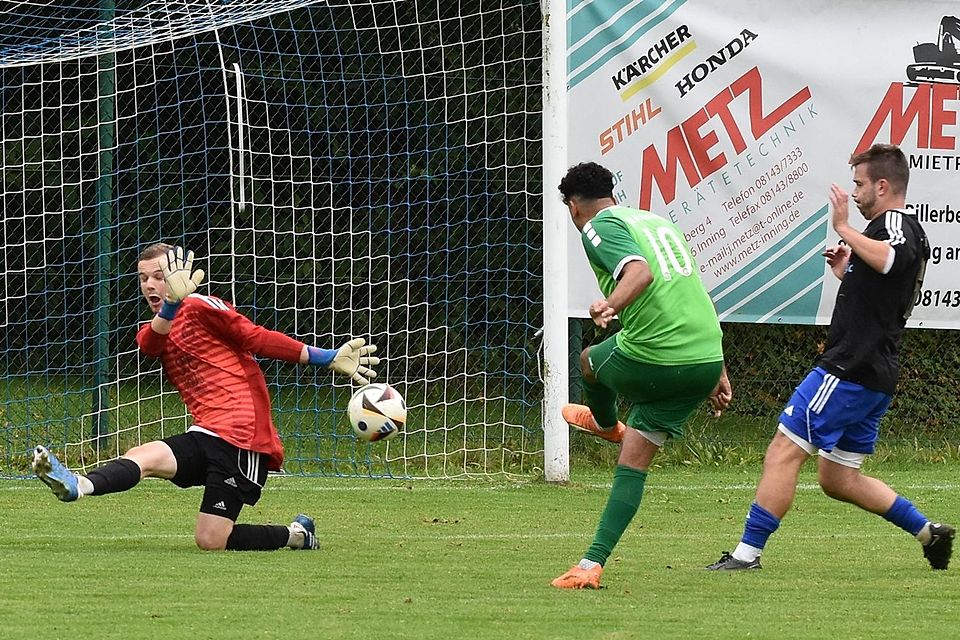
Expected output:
(208, 356)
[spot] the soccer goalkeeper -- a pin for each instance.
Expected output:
(207, 349)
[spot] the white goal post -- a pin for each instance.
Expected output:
(556, 433)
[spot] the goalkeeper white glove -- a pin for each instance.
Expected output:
(179, 275)
(353, 359)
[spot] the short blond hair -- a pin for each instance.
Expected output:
(155, 250)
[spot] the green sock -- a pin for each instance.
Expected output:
(621, 506)
(602, 402)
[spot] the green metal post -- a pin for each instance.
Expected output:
(106, 80)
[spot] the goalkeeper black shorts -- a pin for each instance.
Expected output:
(232, 476)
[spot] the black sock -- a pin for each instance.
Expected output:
(258, 537)
(117, 475)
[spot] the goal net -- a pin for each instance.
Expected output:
(340, 168)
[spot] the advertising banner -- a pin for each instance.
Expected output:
(733, 118)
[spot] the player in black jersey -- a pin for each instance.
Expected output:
(835, 412)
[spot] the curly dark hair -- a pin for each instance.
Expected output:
(587, 180)
(885, 161)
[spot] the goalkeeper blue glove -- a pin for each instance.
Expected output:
(353, 359)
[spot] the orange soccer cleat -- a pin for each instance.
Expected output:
(578, 578)
(581, 418)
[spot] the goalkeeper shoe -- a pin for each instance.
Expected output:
(304, 524)
(938, 550)
(728, 563)
(581, 418)
(578, 578)
(56, 476)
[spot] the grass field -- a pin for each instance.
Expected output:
(473, 560)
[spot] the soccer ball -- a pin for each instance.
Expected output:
(377, 412)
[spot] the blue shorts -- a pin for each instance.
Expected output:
(833, 413)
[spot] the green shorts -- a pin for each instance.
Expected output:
(662, 396)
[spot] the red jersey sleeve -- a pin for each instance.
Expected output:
(150, 342)
(247, 336)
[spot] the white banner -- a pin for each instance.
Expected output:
(733, 118)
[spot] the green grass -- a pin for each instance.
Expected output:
(473, 560)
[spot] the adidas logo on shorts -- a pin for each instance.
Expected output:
(230, 481)
(220, 506)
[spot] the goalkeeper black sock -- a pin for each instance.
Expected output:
(258, 537)
(115, 476)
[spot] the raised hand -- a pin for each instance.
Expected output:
(179, 275)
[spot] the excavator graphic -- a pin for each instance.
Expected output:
(938, 61)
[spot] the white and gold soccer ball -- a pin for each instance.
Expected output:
(377, 412)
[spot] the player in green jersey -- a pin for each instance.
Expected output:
(666, 359)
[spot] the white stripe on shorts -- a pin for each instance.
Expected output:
(820, 398)
(252, 469)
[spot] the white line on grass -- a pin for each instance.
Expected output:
(421, 485)
(646, 535)
(467, 485)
